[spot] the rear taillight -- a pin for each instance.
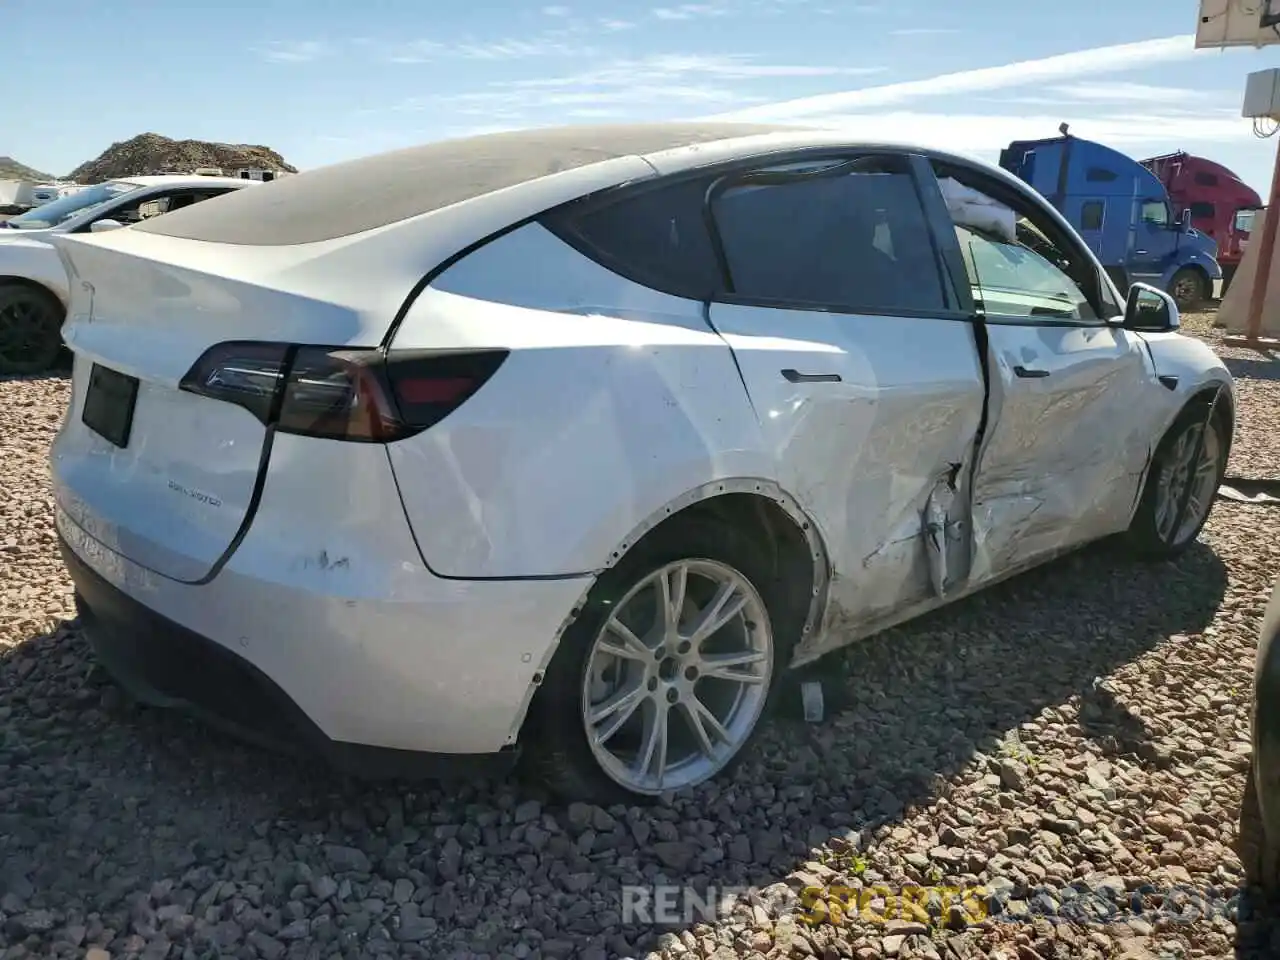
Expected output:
(341, 394)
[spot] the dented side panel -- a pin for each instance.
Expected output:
(875, 457)
(1072, 418)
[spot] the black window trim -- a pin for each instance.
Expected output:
(958, 299)
(1003, 192)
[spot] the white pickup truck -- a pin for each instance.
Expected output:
(33, 283)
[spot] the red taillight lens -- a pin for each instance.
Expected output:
(337, 393)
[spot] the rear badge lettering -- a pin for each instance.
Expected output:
(196, 495)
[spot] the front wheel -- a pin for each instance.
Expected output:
(1178, 477)
(1190, 289)
(30, 330)
(663, 679)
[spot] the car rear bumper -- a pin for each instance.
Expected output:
(164, 664)
(379, 687)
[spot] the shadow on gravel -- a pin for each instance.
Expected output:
(126, 812)
(1246, 368)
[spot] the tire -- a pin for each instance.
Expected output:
(1147, 536)
(1259, 858)
(557, 747)
(1190, 288)
(30, 329)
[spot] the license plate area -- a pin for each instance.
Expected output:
(108, 404)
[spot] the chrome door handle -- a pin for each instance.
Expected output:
(1027, 372)
(1139, 251)
(795, 376)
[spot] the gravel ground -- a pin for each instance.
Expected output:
(1082, 728)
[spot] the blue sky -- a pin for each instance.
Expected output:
(325, 82)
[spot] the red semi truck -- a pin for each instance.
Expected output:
(1221, 204)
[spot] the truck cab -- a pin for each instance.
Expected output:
(1123, 212)
(1221, 204)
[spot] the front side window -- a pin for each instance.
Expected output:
(1012, 279)
(849, 235)
(1202, 211)
(1155, 212)
(157, 204)
(1244, 220)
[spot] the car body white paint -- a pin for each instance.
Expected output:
(411, 595)
(26, 254)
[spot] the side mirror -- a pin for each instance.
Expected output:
(1184, 220)
(102, 226)
(1150, 310)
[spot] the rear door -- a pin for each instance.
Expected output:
(862, 371)
(1074, 401)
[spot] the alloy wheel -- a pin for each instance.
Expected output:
(677, 677)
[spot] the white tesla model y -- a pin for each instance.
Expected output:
(570, 442)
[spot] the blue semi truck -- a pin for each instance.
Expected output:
(1123, 212)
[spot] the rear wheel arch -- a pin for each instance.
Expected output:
(14, 281)
(749, 524)
(770, 517)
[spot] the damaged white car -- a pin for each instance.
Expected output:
(572, 441)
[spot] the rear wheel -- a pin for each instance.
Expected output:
(663, 679)
(30, 329)
(1177, 473)
(1190, 288)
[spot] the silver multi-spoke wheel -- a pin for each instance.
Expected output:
(677, 677)
(1180, 471)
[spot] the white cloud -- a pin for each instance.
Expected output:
(1082, 63)
(551, 43)
(293, 51)
(1117, 92)
(612, 26)
(556, 11)
(690, 11)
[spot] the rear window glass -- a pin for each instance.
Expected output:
(359, 195)
(656, 237)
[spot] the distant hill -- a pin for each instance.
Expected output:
(11, 169)
(150, 153)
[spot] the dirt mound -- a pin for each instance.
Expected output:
(150, 153)
(11, 169)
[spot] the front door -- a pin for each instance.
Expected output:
(861, 369)
(1155, 238)
(1073, 401)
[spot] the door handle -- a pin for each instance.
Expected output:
(795, 376)
(1028, 373)
(1140, 251)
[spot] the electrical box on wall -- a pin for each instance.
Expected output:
(1262, 95)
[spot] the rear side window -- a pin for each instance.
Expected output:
(656, 237)
(853, 237)
(1091, 215)
(1100, 175)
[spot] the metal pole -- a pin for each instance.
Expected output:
(1253, 324)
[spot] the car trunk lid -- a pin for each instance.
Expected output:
(159, 474)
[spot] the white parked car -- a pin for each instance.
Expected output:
(573, 440)
(33, 283)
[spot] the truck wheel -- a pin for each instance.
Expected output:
(30, 330)
(1189, 288)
